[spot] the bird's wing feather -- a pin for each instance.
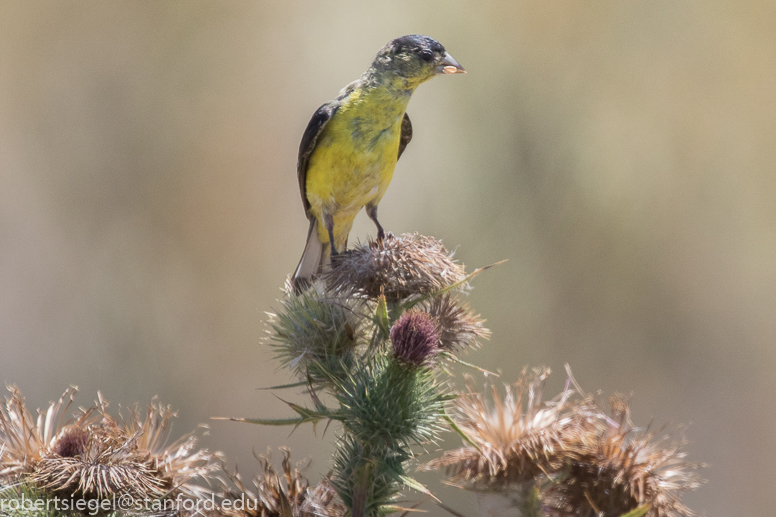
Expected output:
(310, 137)
(406, 134)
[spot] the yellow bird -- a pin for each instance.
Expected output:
(351, 145)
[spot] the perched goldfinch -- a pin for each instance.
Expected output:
(351, 145)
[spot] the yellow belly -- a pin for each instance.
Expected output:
(351, 166)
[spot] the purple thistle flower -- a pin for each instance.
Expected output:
(415, 339)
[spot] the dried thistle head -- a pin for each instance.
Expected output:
(24, 440)
(177, 463)
(458, 326)
(276, 495)
(618, 469)
(517, 439)
(398, 267)
(414, 338)
(93, 455)
(107, 464)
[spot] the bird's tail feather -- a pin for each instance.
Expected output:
(314, 257)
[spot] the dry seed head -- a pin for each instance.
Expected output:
(414, 338)
(283, 495)
(179, 462)
(458, 326)
(518, 438)
(93, 455)
(399, 267)
(24, 440)
(618, 469)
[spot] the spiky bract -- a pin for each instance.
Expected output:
(315, 333)
(287, 494)
(415, 339)
(618, 469)
(383, 401)
(515, 439)
(458, 326)
(23, 500)
(397, 267)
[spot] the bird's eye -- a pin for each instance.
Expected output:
(426, 55)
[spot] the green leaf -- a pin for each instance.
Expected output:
(641, 511)
(461, 433)
(263, 421)
(285, 386)
(382, 320)
(417, 486)
(455, 359)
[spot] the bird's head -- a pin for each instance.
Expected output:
(411, 60)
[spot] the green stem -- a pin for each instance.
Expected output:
(361, 490)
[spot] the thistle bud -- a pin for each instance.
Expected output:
(415, 339)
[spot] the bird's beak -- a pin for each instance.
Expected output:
(450, 66)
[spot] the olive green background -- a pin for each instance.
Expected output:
(620, 154)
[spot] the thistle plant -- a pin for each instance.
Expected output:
(372, 336)
(369, 343)
(369, 337)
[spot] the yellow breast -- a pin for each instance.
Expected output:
(354, 159)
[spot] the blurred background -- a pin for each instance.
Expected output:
(621, 155)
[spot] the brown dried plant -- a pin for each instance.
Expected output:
(24, 439)
(93, 455)
(618, 468)
(517, 439)
(398, 267)
(458, 326)
(565, 455)
(280, 495)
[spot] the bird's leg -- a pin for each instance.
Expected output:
(371, 211)
(328, 221)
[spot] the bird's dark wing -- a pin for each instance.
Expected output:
(310, 137)
(406, 134)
